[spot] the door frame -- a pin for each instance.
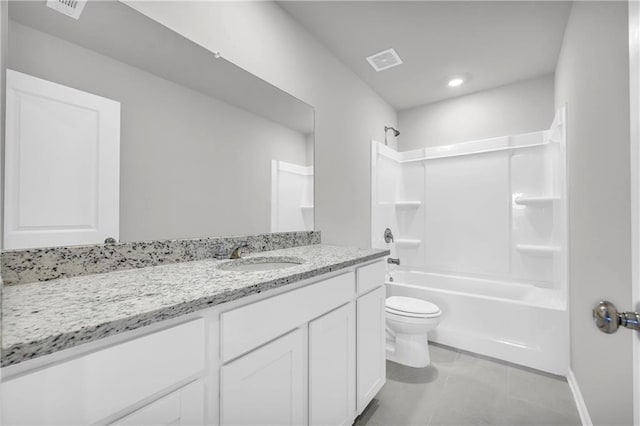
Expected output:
(634, 90)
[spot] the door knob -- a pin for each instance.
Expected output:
(608, 319)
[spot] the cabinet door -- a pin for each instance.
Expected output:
(266, 386)
(332, 374)
(62, 165)
(100, 384)
(180, 408)
(371, 364)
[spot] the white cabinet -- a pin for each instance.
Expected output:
(370, 277)
(62, 165)
(250, 326)
(344, 370)
(97, 386)
(311, 355)
(266, 386)
(332, 362)
(371, 361)
(183, 407)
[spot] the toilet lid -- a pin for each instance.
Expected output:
(411, 306)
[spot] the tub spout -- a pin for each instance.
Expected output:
(393, 261)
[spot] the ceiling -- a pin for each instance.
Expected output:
(490, 43)
(136, 41)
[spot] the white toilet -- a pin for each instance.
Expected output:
(408, 321)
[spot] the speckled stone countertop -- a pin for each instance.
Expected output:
(44, 317)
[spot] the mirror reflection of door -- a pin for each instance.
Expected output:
(62, 165)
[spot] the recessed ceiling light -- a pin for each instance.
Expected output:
(455, 82)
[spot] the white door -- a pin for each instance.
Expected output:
(332, 367)
(180, 408)
(371, 364)
(266, 386)
(62, 165)
(634, 84)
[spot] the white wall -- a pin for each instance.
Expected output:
(3, 52)
(3, 60)
(522, 107)
(592, 77)
(191, 166)
(263, 39)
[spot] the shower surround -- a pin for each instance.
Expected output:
(480, 231)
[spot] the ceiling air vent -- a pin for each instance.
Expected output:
(384, 60)
(71, 8)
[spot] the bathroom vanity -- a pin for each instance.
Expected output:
(193, 343)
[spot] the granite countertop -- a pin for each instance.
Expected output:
(45, 317)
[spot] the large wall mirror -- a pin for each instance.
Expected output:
(204, 147)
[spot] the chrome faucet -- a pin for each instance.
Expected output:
(393, 261)
(235, 252)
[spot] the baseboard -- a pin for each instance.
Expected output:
(585, 418)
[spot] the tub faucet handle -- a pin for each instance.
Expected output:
(388, 236)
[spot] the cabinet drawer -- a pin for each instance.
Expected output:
(95, 386)
(370, 276)
(250, 326)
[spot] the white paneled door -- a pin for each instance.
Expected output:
(634, 85)
(62, 165)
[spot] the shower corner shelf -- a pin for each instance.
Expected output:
(408, 204)
(538, 249)
(525, 200)
(306, 207)
(407, 243)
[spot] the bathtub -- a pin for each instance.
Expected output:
(519, 323)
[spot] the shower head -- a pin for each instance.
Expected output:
(396, 133)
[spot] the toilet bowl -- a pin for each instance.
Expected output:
(408, 320)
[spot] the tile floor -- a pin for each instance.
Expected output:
(461, 388)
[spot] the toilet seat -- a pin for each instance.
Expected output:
(411, 307)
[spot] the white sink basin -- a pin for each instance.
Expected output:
(258, 264)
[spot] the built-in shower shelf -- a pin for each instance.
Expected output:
(543, 200)
(408, 204)
(537, 249)
(306, 207)
(407, 243)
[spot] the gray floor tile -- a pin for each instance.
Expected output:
(443, 355)
(460, 388)
(468, 401)
(542, 390)
(522, 413)
(489, 375)
(403, 374)
(409, 397)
